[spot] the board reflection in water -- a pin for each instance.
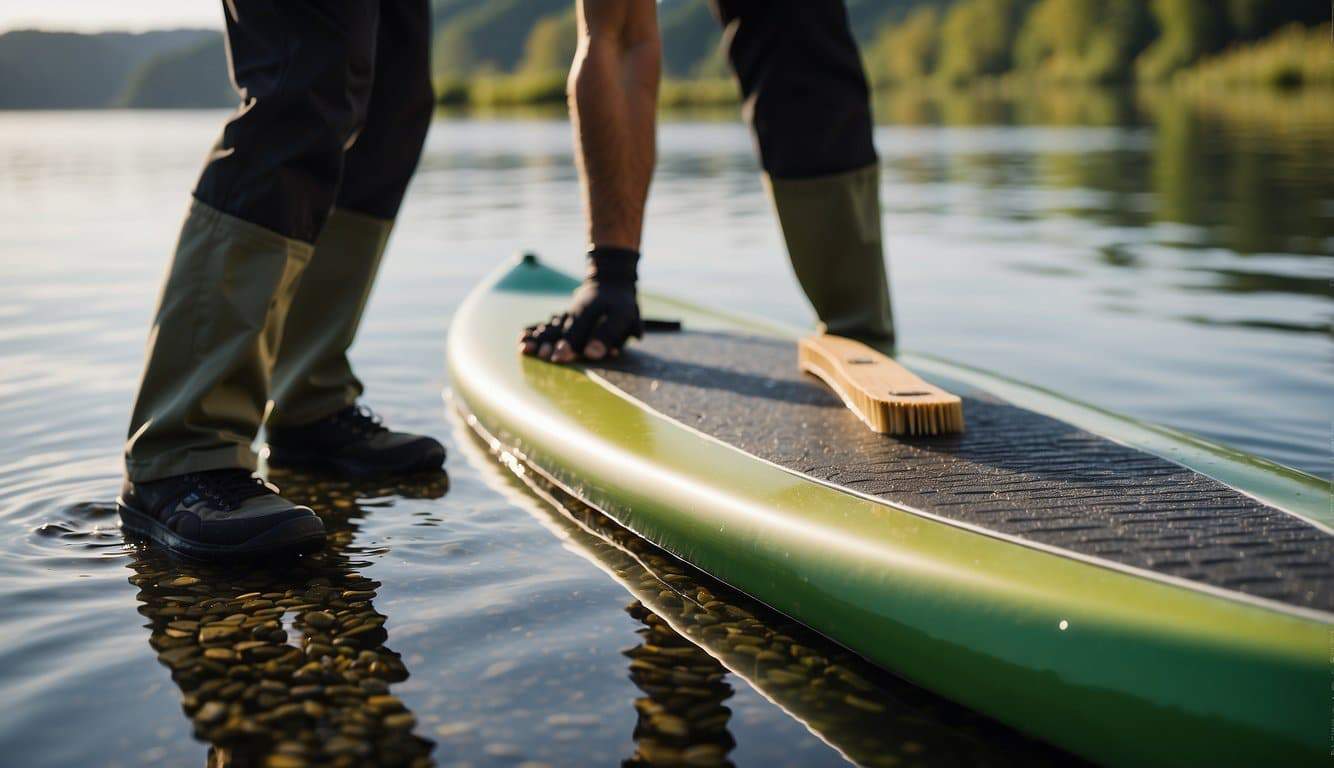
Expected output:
(700, 635)
(287, 663)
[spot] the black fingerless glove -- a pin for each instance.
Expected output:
(606, 307)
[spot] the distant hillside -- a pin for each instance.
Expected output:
(690, 39)
(186, 68)
(189, 78)
(471, 35)
(517, 51)
(64, 70)
(498, 35)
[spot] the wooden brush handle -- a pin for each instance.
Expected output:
(887, 396)
(864, 368)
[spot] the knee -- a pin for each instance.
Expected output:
(619, 30)
(322, 102)
(618, 42)
(339, 105)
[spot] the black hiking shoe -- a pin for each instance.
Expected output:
(217, 515)
(355, 443)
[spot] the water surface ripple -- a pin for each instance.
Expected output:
(1168, 261)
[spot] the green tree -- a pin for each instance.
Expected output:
(1189, 29)
(906, 52)
(551, 45)
(487, 36)
(1084, 40)
(1054, 35)
(978, 38)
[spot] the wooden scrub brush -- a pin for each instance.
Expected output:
(888, 397)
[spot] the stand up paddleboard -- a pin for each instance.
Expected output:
(1128, 593)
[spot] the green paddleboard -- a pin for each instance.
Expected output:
(1128, 593)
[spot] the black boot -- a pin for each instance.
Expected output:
(353, 442)
(217, 515)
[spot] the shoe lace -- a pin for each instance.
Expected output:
(228, 489)
(361, 420)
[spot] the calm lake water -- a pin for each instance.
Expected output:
(1168, 258)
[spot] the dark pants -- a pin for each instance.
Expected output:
(809, 106)
(806, 96)
(293, 209)
(336, 99)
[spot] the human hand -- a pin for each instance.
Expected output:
(603, 315)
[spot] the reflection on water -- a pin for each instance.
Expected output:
(289, 663)
(254, 692)
(1163, 255)
(1250, 171)
(697, 629)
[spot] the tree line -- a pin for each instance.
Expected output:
(1087, 41)
(952, 42)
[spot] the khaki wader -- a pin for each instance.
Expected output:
(247, 315)
(290, 217)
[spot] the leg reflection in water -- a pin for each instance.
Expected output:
(682, 719)
(255, 694)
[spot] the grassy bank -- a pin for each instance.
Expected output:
(549, 89)
(1295, 57)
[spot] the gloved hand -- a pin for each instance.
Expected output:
(603, 315)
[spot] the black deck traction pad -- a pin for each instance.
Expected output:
(1013, 471)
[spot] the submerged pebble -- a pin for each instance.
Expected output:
(224, 634)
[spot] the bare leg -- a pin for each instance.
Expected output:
(613, 92)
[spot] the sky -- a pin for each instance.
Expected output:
(97, 15)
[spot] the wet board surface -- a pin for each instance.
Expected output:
(1013, 471)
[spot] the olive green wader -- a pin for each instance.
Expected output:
(291, 214)
(247, 315)
(831, 225)
(808, 104)
(313, 377)
(213, 346)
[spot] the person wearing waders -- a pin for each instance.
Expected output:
(271, 273)
(808, 104)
